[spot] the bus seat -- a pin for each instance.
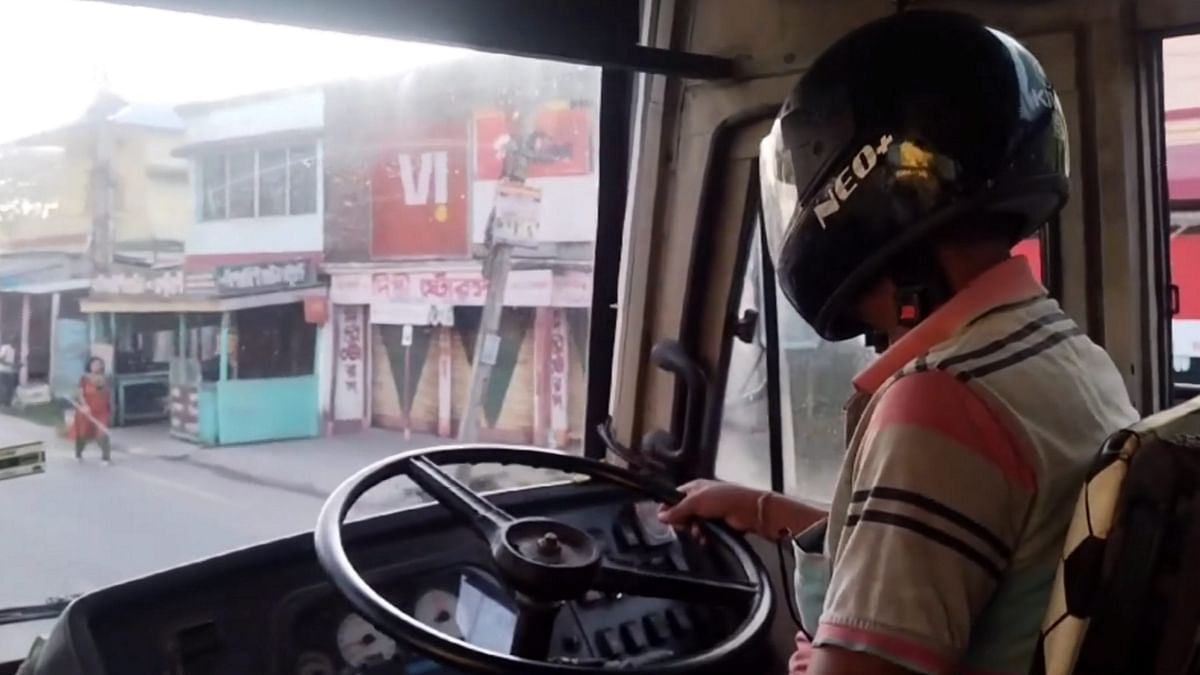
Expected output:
(1126, 597)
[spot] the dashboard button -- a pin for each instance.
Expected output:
(633, 637)
(681, 623)
(655, 626)
(607, 643)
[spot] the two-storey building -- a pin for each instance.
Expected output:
(413, 176)
(232, 335)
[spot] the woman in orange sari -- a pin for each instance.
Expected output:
(94, 414)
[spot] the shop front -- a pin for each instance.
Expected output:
(41, 322)
(49, 336)
(237, 365)
(404, 342)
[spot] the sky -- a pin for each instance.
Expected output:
(59, 52)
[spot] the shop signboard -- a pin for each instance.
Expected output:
(525, 288)
(139, 283)
(559, 346)
(350, 386)
(394, 313)
(572, 288)
(263, 277)
(515, 214)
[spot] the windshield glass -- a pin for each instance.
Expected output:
(242, 261)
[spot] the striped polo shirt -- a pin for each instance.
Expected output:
(949, 515)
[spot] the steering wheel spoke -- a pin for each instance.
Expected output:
(534, 629)
(614, 577)
(485, 518)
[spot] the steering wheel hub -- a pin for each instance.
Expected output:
(547, 559)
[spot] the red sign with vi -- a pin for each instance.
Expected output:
(419, 196)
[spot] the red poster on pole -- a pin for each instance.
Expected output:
(419, 196)
(562, 141)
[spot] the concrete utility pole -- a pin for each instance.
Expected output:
(496, 267)
(102, 181)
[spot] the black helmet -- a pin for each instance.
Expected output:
(918, 124)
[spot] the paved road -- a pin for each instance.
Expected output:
(84, 525)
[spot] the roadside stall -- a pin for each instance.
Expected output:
(242, 350)
(41, 321)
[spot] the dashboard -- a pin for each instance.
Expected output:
(270, 609)
(326, 637)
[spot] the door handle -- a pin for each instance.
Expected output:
(665, 446)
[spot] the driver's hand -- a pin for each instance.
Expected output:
(706, 499)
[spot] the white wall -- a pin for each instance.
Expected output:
(324, 370)
(299, 110)
(273, 234)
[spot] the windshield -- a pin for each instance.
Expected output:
(239, 262)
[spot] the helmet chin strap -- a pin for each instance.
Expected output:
(878, 340)
(921, 287)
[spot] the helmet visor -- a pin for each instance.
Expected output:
(777, 180)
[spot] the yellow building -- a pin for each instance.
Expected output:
(47, 200)
(103, 189)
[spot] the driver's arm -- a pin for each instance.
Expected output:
(941, 495)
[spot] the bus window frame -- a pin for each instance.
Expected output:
(700, 461)
(1155, 205)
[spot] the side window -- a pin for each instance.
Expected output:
(1181, 107)
(814, 383)
(272, 182)
(302, 179)
(212, 187)
(241, 184)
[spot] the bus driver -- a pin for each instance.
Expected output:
(899, 174)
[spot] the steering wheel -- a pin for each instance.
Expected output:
(543, 562)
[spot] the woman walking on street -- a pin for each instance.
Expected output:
(94, 413)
